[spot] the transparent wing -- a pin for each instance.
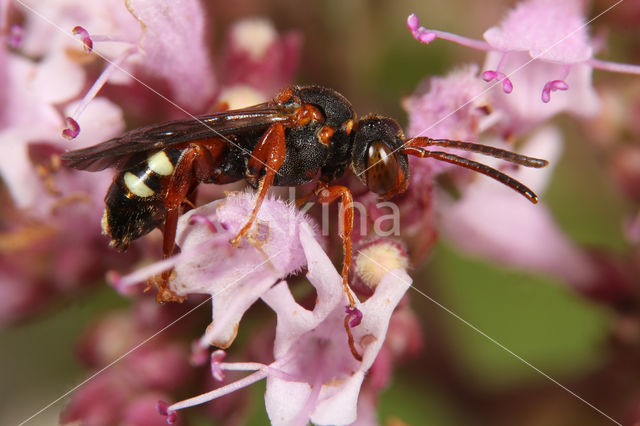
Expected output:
(133, 147)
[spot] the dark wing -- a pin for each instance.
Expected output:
(134, 146)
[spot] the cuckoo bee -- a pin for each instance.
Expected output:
(304, 133)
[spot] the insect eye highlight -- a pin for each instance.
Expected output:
(382, 168)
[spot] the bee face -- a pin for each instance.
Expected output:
(377, 159)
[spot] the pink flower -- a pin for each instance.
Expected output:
(452, 107)
(541, 46)
(19, 295)
(235, 277)
(127, 387)
(32, 91)
(164, 41)
(173, 47)
(257, 62)
(315, 377)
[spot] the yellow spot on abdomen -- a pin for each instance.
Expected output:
(137, 186)
(160, 163)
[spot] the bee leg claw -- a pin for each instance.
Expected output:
(165, 294)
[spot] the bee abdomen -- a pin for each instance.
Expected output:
(134, 203)
(127, 218)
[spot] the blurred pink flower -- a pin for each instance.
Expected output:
(164, 41)
(257, 62)
(19, 295)
(173, 46)
(315, 377)
(492, 222)
(452, 107)
(489, 220)
(235, 277)
(541, 46)
(129, 388)
(32, 92)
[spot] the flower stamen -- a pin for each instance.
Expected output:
(217, 393)
(87, 42)
(552, 86)
(490, 75)
(15, 36)
(164, 410)
(559, 84)
(507, 85)
(73, 128)
(426, 36)
(199, 219)
(216, 361)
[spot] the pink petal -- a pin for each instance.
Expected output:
(447, 107)
(547, 29)
(58, 79)
(278, 391)
(236, 277)
(523, 109)
(298, 350)
(174, 35)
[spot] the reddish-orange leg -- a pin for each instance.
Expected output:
(328, 194)
(190, 165)
(268, 154)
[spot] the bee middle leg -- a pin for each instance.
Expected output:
(268, 154)
(328, 194)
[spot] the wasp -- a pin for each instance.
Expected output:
(304, 133)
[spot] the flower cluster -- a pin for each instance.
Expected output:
(541, 45)
(314, 375)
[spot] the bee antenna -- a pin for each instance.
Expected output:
(491, 151)
(419, 151)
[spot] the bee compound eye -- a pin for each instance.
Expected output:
(382, 168)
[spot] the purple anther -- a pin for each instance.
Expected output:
(420, 33)
(413, 22)
(84, 36)
(15, 35)
(199, 355)
(203, 220)
(73, 128)
(355, 314)
(552, 86)
(115, 280)
(163, 409)
(507, 85)
(216, 360)
(262, 233)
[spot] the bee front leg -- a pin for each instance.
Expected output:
(268, 154)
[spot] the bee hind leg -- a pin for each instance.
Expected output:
(180, 185)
